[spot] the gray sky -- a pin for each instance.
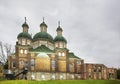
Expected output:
(91, 27)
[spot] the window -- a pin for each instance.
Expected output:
(78, 62)
(56, 44)
(63, 54)
(61, 45)
(51, 46)
(23, 41)
(53, 63)
(42, 77)
(43, 43)
(25, 51)
(32, 77)
(61, 77)
(22, 62)
(73, 77)
(53, 77)
(21, 51)
(13, 64)
(70, 67)
(59, 53)
(64, 45)
(95, 70)
(32, 62)
(19, 41)
(28, 42)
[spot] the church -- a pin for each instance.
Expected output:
(48, 58)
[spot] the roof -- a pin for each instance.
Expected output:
(60, 38)
(61, 48)
(42, 48)
(24, 35)
(43, 35)
(71, 55)
(59, 29)
(25, 25)
(43, 24)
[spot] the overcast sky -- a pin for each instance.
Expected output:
(91, 27)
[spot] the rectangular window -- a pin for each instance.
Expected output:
(23, 41)
(28, 42)
(53, 63)
(43, 43)
(61, 45)
(13, 64)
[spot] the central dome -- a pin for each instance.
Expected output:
(43, 36)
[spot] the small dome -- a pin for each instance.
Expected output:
(43, 24)
(25, 25)
(24, 35)
(60, 38)
(59, 29)
(43, 35)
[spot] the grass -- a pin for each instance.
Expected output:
(61, 82)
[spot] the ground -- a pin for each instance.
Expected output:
(61, 82)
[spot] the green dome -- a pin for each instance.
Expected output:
(24, 35)
(60, 38)
(43, 35)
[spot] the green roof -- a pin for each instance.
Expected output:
(24, 35)
(71, 55)
(60, 38)
(42, 48)
(61, 48)
(43, 35)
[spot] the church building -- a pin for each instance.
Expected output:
(47, 58)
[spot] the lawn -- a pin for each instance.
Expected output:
(61, 82)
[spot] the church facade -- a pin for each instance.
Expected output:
(48, 58)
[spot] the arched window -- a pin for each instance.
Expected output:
(70, 67)
(32, 77)
(21, 51)
(73, 77)
(53, 77)
(25, 51)
(42, 77)
(61, 77)
(32, 62)
(63, 54)
(59, 53)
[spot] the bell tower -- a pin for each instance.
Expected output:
(61, 50)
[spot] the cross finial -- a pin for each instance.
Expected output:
(25, 19)
(58, 23)
(43, 19)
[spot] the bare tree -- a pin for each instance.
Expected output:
(5, 51)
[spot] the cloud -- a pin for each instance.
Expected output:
(90, 26)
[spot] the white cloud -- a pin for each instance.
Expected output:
(90, 26)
